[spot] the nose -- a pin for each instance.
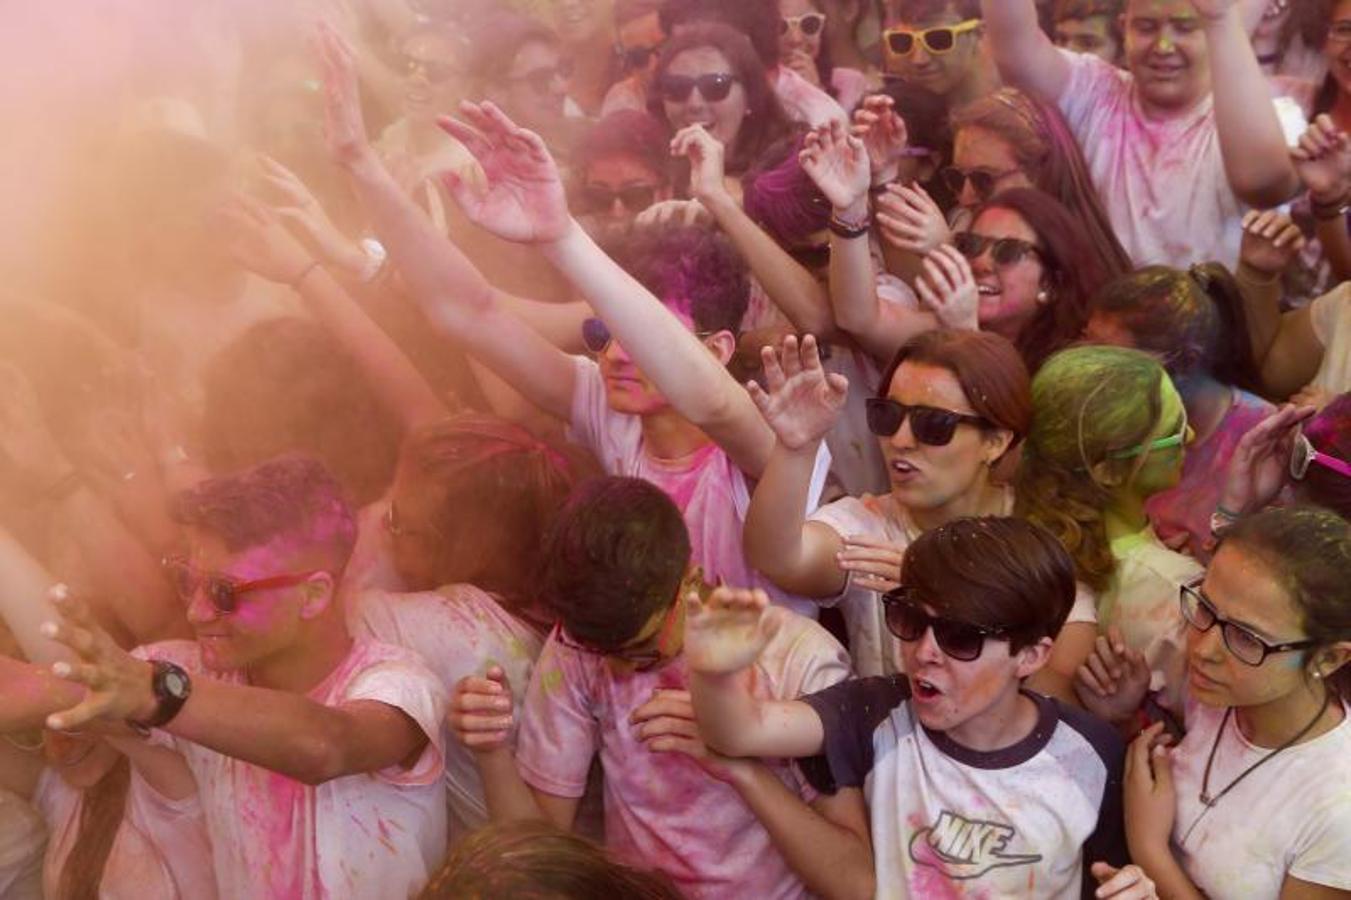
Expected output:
(617, 209)
(615, 353)
(200, 610)
(558, 85)
(904, 438)
(920, 56)
(968, 197)
(927, 649)
(1208, 645)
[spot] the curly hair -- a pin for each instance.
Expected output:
(693, 270)
(1087, 403)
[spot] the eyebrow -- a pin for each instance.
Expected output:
(1248, 626)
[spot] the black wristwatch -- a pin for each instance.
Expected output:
(172, 688)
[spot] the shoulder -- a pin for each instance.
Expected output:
(1099, 735)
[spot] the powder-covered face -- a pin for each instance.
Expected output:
(429, 83)
(1162, 469)
(1089, 35)
(1337, 50)
(619, 176)
(941, 73)
(722, 118)
(643, 33)
(1009, 294)
(578, 20)
(977, 149)
(794, 41)
(1166, 52)
(535, 88)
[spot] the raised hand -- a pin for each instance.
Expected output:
(673, 212)
(1271, 242)
(119, 685)
(883, 133)
(803, 401)
(480, 711)
(1323, 161)
(259, 242)
(727, 632)
(911, 220)
(948, 289)
(838, 163)
(31, 460)
(1113, 681)
(1260, 466)
(344, 128)
(707, 156)
(1129, 883)
(873, 564)
(1149, 794)
(521, 197)
(666, 724)
(300, 208)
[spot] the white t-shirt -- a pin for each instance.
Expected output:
(1144, 601)
(22, 840)
(460, 631)
(1290, 817)
(707, 486)
(662, 810)
(1162, 181)
(373, 835)
(874, 649)
(948, 821)
(161, 851)
(1331, 315)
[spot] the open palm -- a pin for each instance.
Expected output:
(520, 197)
(803, 401)
(838, 163)
(726, 632)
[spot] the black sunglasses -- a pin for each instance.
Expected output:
(634, 59)
(907, 620)
(1247, 647)
(931, 426)
(1006, 251)
(983, 181)
(714, 87)
(635, 198)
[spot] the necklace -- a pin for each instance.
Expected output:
(1210, 801)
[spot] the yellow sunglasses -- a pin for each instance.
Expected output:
(937, 41)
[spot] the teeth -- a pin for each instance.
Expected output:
(987, 290)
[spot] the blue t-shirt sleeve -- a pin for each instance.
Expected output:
(850, 712)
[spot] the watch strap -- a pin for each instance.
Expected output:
(172, 687)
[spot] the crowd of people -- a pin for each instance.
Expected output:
(721, 449)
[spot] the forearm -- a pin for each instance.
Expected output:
(790, 286)
(24, 605)
(853, 284)
(29, 693)
(1256, 156)
(1023, 52)
(832, 861)
(775, 536)
(1170, 881)
(736, 723)
(507, 796)
(1261, 293)
(392, 375)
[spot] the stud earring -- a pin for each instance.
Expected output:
(1043, 298)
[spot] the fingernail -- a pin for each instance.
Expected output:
(61, 669)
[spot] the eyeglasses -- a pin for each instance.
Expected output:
(937, 41)
(1005, 251)
(813, 258)
(541, 80)
(714, 88)
(1304, 455)
(635, 198)
(222, 591)
(434, 72)
(1163, 443)
(931, 426)
(810, 24)
(983, 181)
(1247, 647)
(596, 336)
(907, 620)
(635, 58)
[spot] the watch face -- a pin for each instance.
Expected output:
(176, 684)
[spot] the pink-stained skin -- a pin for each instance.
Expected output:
(723, 119)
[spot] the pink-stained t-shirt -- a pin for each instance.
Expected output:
(1183, 512)
(161, 851)
(803, 101)
(663, 810)
(707, 486)
(23, 840)
(1162, 180)
(373, 835)
(460, 631)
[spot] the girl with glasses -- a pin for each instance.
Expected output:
(804, 49)
(1252, 802)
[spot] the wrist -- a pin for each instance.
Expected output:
(881, 177)
(571, 237)
(716, 199)
(361, 162)
(856, 211)
(1254, 274)
(146, 703)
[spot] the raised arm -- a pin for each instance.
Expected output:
(1323, 160)
(1256, 156)
(1023, 52)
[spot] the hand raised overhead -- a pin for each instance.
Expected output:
(803, 401)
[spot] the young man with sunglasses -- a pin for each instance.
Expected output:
(1180, 143)
(317, 756)
(611, 682)
(936, 45)
(974, 785)
(639, 37)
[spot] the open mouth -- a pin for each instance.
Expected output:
(924, 690)
(903, 468)
(988, 290)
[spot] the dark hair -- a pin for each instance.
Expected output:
(497, 39)
(766, 121)
(921, 11)
(1049, 154)
(293, 498)
(496, 489)
(997, 572)
(613, 559)
(1088, 9)
(692, 269)
(102, 809)
(627, 132)
(989, 369)
(1307, 550)
(1073, 272)
(1330, 433)
(758, 20)
(783, 199)
(1193, 321)
(286, 386)
(538, 861)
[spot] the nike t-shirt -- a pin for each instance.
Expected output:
(948, 821)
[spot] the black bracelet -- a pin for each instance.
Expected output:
(849, 230)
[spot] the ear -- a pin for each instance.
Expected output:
(1033, 658)
(1107, 474)
(1328, 661)
(997, 443)
(318, 593)
(722, 345)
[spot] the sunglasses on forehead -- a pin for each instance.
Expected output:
(810, 24)
(907, 619)
(714, 88)
(931, 426)
(936, 41)
(1004, 251)
(222, 591)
